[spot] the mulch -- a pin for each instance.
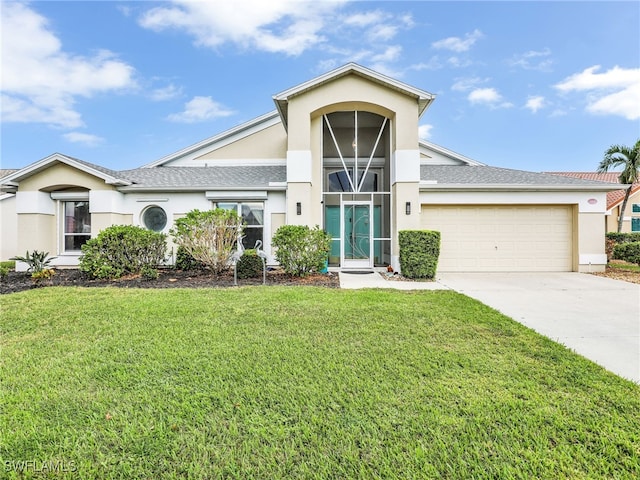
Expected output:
(619, 274)
(168, 278)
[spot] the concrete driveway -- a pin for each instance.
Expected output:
(596, 317)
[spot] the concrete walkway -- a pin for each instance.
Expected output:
(596, 317)
(377, 280)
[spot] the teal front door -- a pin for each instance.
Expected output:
(357, 235)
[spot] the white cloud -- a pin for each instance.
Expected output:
(389, 55)
(365, 19)
(200, 109)
(383, 33)
(433, 64)
(458, 62)
(40, 81)
(625, 103)
(533, 60)
(489, 97)
(457, 44)
(283, 26)
(83, 138)
(466, 84)
(166, 93)
(424, 131)
(614, 92)
(535, 103)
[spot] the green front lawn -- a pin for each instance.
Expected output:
(294, 382)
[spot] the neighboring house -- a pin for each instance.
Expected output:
(631, 221)
(340, 151)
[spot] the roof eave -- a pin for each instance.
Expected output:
(281, 99)
(237, 130)
(40, 165)
(198, 188)
(427, 186)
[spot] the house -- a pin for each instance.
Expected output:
(631, 221)
(340, 151)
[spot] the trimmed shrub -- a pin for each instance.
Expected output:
(419, 253)
(614, 238)
(185, 261)
(301, 250)
(209, 236)
(629, 252)
(249, 265)
(123, 249)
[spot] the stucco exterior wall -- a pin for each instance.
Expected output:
(61, 176)
(9, 228)
(270, 143)
(591, 245)
(37, 231)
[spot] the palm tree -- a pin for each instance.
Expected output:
(629, 159)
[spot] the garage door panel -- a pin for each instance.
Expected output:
(502, 238)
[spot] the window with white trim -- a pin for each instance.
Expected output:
(154, 218)
(76, 225)
(252, 214)
(635, 217)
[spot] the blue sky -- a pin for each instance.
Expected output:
(527, 85)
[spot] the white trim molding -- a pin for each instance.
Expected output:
(35, 202)
(299, 164)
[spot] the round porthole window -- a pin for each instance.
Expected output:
(154, 218)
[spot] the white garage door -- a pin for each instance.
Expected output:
(490, 238)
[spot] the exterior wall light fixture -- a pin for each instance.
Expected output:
(298, 208)
(407, 208)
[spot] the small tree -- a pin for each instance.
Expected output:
(209, 236)
(300, 249)
(629, 159)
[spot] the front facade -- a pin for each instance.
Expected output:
(340, 151)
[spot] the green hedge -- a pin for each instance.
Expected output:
(419, 253)
(249, 265)
(614, 238)
(629, 252)
(123, 249)
(624, 237)
(301, 250)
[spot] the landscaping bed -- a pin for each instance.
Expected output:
(168, 278)
(619, 270)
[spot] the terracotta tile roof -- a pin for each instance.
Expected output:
(613, 198)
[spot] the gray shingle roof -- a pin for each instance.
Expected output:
(99, 168)
(246, 176)
(485, 175)
(7, 171)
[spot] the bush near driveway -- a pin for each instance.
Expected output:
(613, 238)
(629, 252)
(419, 253)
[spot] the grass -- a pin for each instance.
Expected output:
(627, 267)
(9, 264)
(283, 382)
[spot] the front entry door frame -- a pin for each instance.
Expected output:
(347, 258)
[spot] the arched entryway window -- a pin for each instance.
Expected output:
(356, 188)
